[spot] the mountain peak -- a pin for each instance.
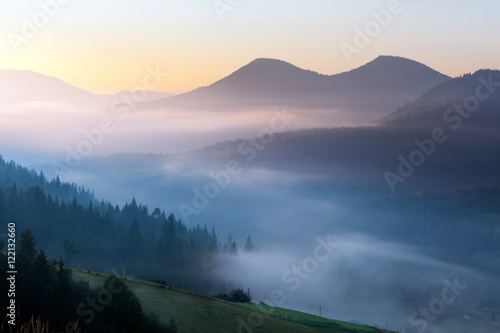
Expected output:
(391, 58)
(385, 70)
(373, 89)
(395, 64)
(264, 73)
(267, 66)
(268, 61)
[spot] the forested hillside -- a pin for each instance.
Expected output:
(49, 299)
(96, 235)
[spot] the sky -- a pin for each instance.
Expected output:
(105, 46)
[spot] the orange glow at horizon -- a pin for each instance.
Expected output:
(101, 78)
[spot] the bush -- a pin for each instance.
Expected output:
(236, 296)
(239, 296)
(222, 296)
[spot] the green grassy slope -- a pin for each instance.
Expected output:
(198, 313)
(325, 324)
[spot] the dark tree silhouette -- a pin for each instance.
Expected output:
(249, 245)
(124, 312)
(239, 296)
(69, 250)
(27, 246)
(233, 249)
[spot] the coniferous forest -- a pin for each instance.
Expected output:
(64, 225)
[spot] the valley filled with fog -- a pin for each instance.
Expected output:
(343, 214)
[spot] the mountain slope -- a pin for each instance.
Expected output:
(374, 88)
(261, 82)
(214, 315)
(385, 71)
(27, 89)
(430, 109)
(23, 90)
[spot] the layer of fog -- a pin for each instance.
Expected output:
(269, 204)
(284, 211)
(359, 279)
(364, 279)
(44, 134)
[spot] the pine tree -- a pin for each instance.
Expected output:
(234, 249)
(27, 247)
(64, 293)
(69, 250)
(42, 291)
(125, 311)
(228, 244)
(41, 268)
(248, 245)
(213, 247)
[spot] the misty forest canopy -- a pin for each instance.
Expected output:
(128, 240)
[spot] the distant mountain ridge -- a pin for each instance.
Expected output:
(437, 107)
(24, 90)
(381, 85)
(365, 94)
(24, 87)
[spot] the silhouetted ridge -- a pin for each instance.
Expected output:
(430, 108)
(370, 91)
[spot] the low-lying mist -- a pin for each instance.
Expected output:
(358, 278)
(371, 271)
(313, 250)
(72, 135)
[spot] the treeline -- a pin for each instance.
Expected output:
(12, 173)
(101, 237)
(47, 291)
